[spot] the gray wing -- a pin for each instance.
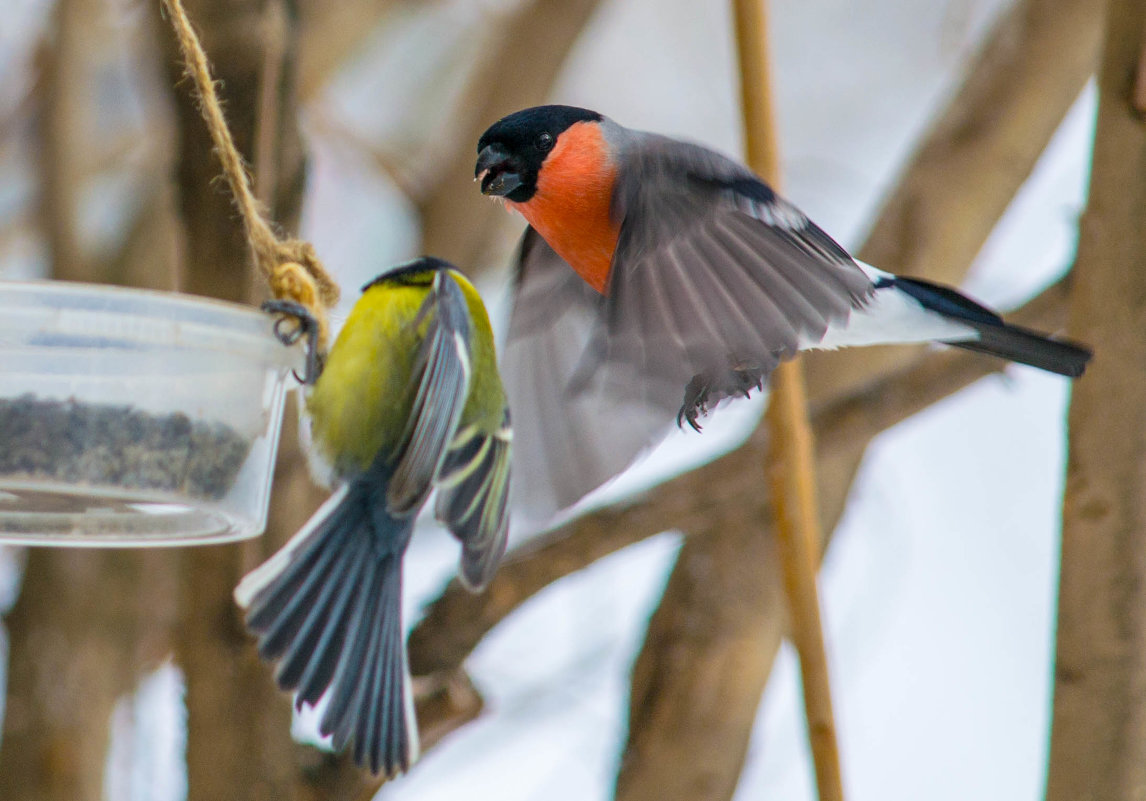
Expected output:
(473, 498)
(566, 442)
(713, 271)
(442, 370)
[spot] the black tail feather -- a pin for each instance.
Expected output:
(1031, 348)
(291, 618)
(312, 677)
(328, 607)
(277, 602)
(997, 337)
(381, 737)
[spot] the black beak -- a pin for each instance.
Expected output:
(494, 170)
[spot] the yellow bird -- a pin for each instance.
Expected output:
(409, 399)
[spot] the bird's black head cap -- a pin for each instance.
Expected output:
(512, 150)
(417, 272)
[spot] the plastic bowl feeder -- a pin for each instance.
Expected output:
(132, 417)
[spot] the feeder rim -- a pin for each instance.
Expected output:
(194, 321)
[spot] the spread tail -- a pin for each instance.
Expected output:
(328, 608)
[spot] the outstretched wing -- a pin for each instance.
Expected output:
(713, 270)
(566, 442)
(442, 372)
(473, 498)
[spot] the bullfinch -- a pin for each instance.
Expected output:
(658, 278)
(408, 400)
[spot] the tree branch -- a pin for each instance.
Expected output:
(329, 33)
(61, 65)
(698, 678)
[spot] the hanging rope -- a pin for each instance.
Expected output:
(290, 266)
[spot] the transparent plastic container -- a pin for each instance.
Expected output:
(135, 418)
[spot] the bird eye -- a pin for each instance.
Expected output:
(545, 142)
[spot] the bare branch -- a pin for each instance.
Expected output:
(407, 177)
(698, 678)
(61, 65)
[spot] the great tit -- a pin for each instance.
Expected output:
(408, 400)
(657, 278)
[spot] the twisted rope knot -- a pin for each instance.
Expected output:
(298, 254)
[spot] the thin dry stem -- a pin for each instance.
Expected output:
(790, 466)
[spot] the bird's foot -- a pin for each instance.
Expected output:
(295, 322)
(744, 380)
(695, 403)
(704, 392)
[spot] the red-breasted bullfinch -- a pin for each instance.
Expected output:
(691, 280)
(407, 401)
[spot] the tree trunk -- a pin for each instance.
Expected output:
(238, 722)
(1098, 736)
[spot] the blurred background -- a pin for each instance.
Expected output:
(949, 139)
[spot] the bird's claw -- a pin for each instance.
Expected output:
(695, 403)
(747, 380)
(304, 324)
(290, 310)
(704, 392)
